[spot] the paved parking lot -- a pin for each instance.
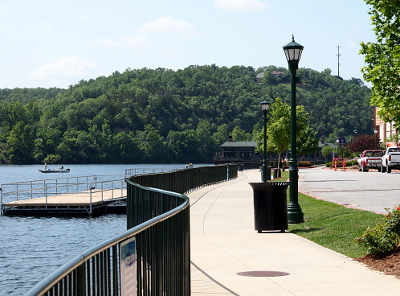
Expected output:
(372, 191)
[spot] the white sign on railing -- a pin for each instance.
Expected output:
(128, 259)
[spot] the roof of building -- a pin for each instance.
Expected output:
(260, 75)
(232, 144)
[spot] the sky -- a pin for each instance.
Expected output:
(48, 43)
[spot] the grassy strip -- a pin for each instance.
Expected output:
(331, 225)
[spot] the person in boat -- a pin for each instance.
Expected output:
(45, 166)
(62, 167)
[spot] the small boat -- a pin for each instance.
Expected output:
(55, 171)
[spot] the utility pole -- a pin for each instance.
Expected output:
(338, 56)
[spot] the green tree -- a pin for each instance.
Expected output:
(184, 146)
(278, 128)
(326, 151)
(77, 147)
(20, 144)
(382, 58)
(393, 138)
(152, 144)
(239, 135)
(307, 141)
(222, 134)
(46, 144)
(125, 148)
(81, 123)
(206, 143)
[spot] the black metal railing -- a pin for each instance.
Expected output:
(159, 225)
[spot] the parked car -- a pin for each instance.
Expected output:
(391, 159)
(370, 159)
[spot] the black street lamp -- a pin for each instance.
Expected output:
(293, 52)
(265, 172)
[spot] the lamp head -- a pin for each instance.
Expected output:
(265, 105)
(293, 52)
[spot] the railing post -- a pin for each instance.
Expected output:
(45, 194)
(90, 209)
(80, 287)
(1, 201)
(102, 190)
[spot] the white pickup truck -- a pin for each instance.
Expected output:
(370, 159)
(391, 159)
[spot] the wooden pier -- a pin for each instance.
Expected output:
(89, 203)
(108, 198)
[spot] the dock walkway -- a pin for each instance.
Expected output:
(78, 196)
(229, 257)
(82, 203)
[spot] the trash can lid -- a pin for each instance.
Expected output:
(268, 186)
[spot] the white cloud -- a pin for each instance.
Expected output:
(66, 66)
(84, 18)
(167, 24)
(3, 11)
(240, 5)
(132, 40)
(105, 42)
(139, 40)
(354, 45)
(135, 40)
(4, 30)
(45, 26)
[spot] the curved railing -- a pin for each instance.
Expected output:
(159, 261)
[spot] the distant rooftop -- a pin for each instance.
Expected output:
(239, 144)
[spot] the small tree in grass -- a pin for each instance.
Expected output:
(326, 151)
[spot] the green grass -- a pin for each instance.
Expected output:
(333, 226)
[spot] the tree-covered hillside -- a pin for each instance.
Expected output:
(161, 115)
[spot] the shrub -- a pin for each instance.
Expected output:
(385, 236)
(348, 163)
(303, 163)
(351, 162)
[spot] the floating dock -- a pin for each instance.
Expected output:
(62, 197)
(92, 203)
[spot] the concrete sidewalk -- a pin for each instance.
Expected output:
(225, 243)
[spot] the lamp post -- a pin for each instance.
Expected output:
(265, 172)
(293, 52)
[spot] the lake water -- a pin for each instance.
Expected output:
(31, 248)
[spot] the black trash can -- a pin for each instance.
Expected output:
(267, 172)
(240, 167)
(277, 173)
(270, 205)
